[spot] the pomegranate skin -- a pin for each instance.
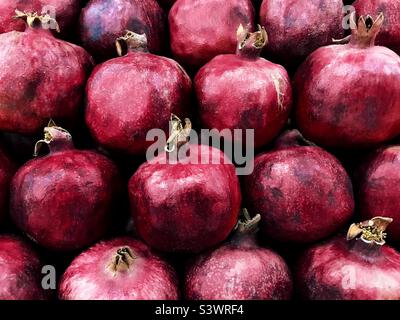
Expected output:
(103, 21)
(342, 270)
(298, 27)
(89, 276)
(7, 169)
(203, 29)
(185, 207)
(20, 270)
(389, 36)
(379, 187)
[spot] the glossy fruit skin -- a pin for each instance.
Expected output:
(185, 207)
(238, 270)
(7, 170)
(342, 270)
(64, 200)
(389, 36)
(32, 89)
(152, 87)
(259, 96)
(298, 27)
(103, 21)
(379, 187)
(20, 269)
(148, 278)
(203, 29)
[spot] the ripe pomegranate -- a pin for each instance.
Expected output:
(389, 36)
(103, 21)
(347, 95)
(151, 88)
(7, 169)
(260, 93)
(41, 77)
(379, 187)
(119, 269)
(20, 270)
(301, 191)
(203, 29)
(297, 28)
(64, 200)
(239, 270)
(356, 269)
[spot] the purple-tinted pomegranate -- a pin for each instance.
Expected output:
(41, 77)
(203, 29)
(134, 94)
(379, 187)
(103, 21)
(298, 27)
(389, 35)
(64, 200)
(352, 269)
(259, 92)
(7, 169)
(119, 269)
(347, 95)
(301, 191)
(20, 271)
(239, 270)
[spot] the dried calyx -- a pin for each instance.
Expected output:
(247, 224)
(131, 41)
(370, 231)
(34, 20)
(250, 44)
(179, 133)
(54, 136)
(122, 260)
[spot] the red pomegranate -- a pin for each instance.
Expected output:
(20, 270)
(356, 269)
(64, 200)
(244, 91)
(203, 29)
(301, 191)
(134, 94)
(389, 36)
(238, 270)
(7, 169)
(379, 187)
(347, 95)
(119, 269)
(103, 21)
(298, 27)
(41, 77)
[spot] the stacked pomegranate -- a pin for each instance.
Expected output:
(140, 115)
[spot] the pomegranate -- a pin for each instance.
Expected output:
(103, 21)
(142, 99)
(347, 95)
(41, 77)
(356, 269)
(301, 191)
(389, 36)
(203, 29)
(20, 270)
(64, 200)
(298, 27)
(239, 270)
(119, 269)
(379, 187)
(7, 169)
(260, 93)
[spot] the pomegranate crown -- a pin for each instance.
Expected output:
(370, 231)
(131, 41)
(33, 19)
(52, 133)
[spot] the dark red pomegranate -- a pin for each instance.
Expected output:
(203, 29)
(134, 94)
(389, 36)
(119, 269)
(7, 169)
(301, 191)
(352, 269)
(41, 77)
(260, 94)
(379, 187)
(20, 270)
(64, 200)
(103, 21)
(66, 12)
(239, 270)
(347, 95)
(298, 27)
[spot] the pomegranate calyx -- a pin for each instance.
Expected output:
(131, 41)
(248, 224)
(250, 44)
(122, 260)
(179, 133)
(370, 231)
(367, 29)
(34, 20)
